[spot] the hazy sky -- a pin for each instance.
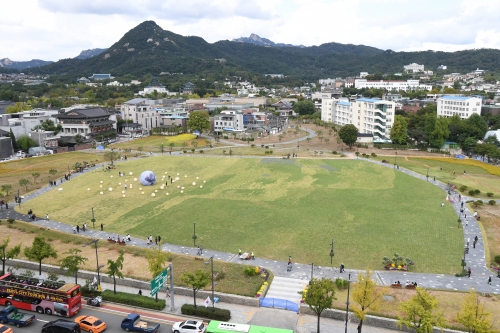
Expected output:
(56, 29)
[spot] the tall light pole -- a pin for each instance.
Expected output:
(93, 219)
(331, 253)
(427, 174)
(95, 241)
(347, 304)
(312, 270)
(194, 234)
(211, 259)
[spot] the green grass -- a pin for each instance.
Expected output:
(476, 177)
(275, 208)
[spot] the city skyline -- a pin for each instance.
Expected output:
(57, 29)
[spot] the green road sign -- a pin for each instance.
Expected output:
(158, 281)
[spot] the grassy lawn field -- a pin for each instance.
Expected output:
(476, 177)
(273, 207)
(153, 143)
(12, 171)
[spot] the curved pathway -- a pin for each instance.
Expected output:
(475, 259)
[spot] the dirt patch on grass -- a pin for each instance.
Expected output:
(490, 223)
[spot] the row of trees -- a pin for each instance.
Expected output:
(419, 314)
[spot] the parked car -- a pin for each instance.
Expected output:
(61, 326)
(90, 324)
(189, 326)
(134, 323)
(11, 315)
(5, 329)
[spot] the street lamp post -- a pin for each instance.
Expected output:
(331, 253)
(347, 304)
(312, 270)
(395, 159)
(18, 198)
(194, 234)
(211, 259)
(93, 219)
(427, 174)
(162, 148)
(95, 241)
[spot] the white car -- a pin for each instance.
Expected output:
(189, 326)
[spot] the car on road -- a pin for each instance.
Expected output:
(90, 324)
(5, 329)
(61, 326)
(189, 326)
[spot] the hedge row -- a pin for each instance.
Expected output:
(133, 299)
(206, 312)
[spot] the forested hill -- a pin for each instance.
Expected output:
(148, 49)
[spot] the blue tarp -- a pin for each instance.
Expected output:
(460, 156)
(100, 147)
(279, 304)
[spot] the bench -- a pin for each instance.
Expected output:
(112, 241)
(410, 286)
(396, 285)
(121, 242)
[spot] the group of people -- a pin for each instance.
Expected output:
(149, 240)
(3, 203)
(31, 216)
(76, 229)
(120, 239)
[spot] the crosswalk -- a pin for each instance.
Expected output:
(286, 288)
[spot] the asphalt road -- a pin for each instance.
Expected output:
(111, 317)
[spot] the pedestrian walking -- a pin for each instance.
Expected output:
(469, 272)
(489, 280)
(156, 240)
(47, 217)
(102, 227)
(198, 253)
(77, 228)
(167, 292)
(239, 252)
(6, 205)
(468, 240)
(159, 239)
(474, 244)
(476, 238)
(140, 292)
(74, 230)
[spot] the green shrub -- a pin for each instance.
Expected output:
(201, 311)
(374, 155)
(497, 259)
(252, 145)
(267, 147)
(477, 191)
(11, 221)
(133, 299)
(334, 152)
(249, 271)
(463, 188)
(201, 151)
(492, 202)
(472, 192)
(184, 151)
(489, 194)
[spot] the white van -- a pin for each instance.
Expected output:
(21, 154)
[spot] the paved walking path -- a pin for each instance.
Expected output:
(475, 259)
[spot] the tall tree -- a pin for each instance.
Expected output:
(420, 313)
(8, 254)
(24, 183)
(7, 188)
(25, 142)
(72, 262)
(320, 296)
(35, 175)
(348, 134)
(199, 121)
(439, 133)
(365, 297)
(305, 107)
(114, 269)
(196, 281)
(111, 156)
(473, 315)
(156, 261)
(399, 130)
(39, 251)
(479, 124)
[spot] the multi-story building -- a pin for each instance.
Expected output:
(414, 67)
(408, 85)
(88, 123)
(140, 111)
(370, 116)
(228, 121)
(22, 123)
(463, 106)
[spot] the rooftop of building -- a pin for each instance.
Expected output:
(457, 98)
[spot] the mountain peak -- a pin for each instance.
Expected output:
(257, 40)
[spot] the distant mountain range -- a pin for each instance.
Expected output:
(85, 54)
(20, 65)
(148, 49)
(257, 40)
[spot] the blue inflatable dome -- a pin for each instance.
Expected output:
(147, 178)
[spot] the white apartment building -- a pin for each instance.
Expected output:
(414, 67)
(408, 85)
(463, 106)
(141, 112)
(373, 116)
(328, 109)
(229, 121)
(343, 114)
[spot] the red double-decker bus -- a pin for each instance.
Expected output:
(42, 296)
